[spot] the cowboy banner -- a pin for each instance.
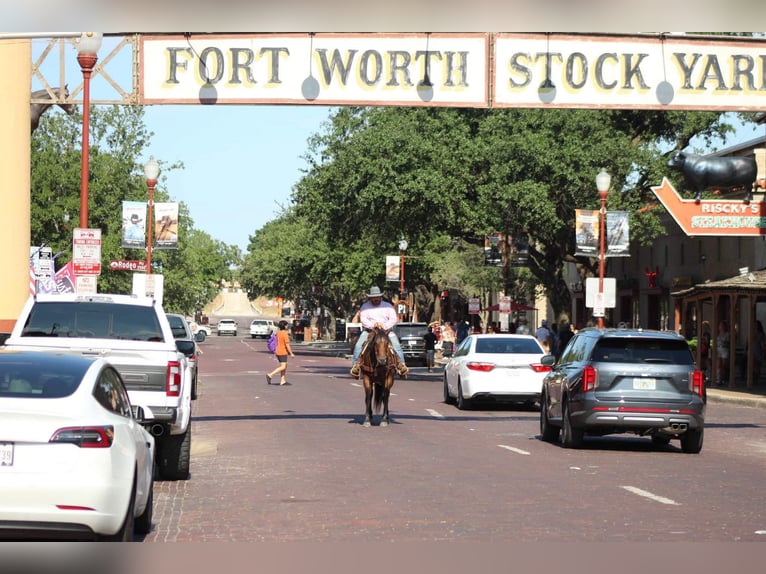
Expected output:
(133, 224)
(165, 226)
(587, 233)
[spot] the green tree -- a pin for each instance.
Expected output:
(118, 146)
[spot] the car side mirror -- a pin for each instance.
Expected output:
(138, 413)
(186, 346)
(548, 360)
(199, 337)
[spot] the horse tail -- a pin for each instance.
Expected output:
(378, 396)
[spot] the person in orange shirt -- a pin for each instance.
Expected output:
(283, 349)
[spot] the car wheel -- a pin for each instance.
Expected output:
(447, 399)
(549, 432)
(175, 452)
(570, 436)
(691, 441)
(462, 402)
(143, 523)
(125, 533)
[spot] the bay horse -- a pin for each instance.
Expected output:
(378, 365)
(37, 109)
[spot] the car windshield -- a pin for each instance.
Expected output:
(507, 346)
(411, 330)
(636, 350)
(93, 321)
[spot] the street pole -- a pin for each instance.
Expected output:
(151, 172)
(87, 56)
(603, 180)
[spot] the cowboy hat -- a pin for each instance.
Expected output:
(375, 292)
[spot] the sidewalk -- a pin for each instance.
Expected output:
(755, 397)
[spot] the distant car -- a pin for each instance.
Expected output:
(610, 381)
(412, 341)
(262, 328)
(75, 460)
(500, 367)
(227, 327)
(186, 342)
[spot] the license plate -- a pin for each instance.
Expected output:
(6, 454)
(645, 384)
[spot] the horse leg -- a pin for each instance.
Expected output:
(367, 401)
(386, 392)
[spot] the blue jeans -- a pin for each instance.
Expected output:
(363, 337)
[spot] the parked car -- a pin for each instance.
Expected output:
(262, 328)
(76, 461)
(412, 341)
(227, 327)
(624, 381)
(186, 342)
(501, 367)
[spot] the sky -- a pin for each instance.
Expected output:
(240, 161)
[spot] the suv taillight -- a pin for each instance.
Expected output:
(173, 381)
(589, 378)
(697, 382)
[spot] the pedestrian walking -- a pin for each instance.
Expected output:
(282, 351)
(430, 342)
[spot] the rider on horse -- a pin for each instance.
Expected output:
(376, 312)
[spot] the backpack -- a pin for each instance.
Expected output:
(271, 344)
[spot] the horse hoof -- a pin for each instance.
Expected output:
(384, 423)
(366, 424)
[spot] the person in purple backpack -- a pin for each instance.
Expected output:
(282, 351)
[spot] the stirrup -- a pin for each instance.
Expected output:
(355, 371)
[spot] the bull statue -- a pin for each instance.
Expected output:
(703, 173)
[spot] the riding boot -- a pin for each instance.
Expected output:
(356, 369)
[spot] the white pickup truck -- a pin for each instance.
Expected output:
(133, 334)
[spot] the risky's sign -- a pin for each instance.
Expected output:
(712, 216)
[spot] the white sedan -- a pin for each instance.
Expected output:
(495, 366)
(75, 461)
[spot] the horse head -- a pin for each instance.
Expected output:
(379, 348)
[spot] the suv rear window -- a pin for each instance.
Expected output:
(625, 350)
(93, 321)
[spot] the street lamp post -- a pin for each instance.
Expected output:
(151, 171)
(402, 249)
(87, 56)
(603, 179)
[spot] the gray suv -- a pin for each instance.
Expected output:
(610, 381)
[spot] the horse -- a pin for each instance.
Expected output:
(378, 365)
(37, 109)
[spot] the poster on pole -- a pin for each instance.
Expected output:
(586, 232)
(617, 234)
(165, 226)
(392, 267)
(133, 224)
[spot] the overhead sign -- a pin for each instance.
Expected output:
(86, 251)
(327, 69)
(712, 216)
(640, 71)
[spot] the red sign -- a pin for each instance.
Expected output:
(86, 251)
(127, 265)
(713, 216)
